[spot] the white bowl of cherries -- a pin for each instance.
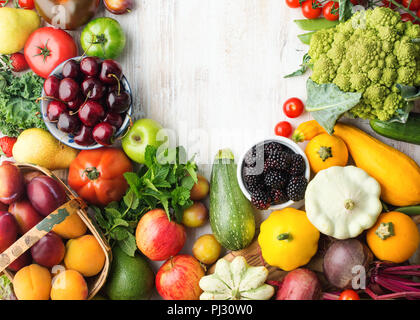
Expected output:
(87, 102)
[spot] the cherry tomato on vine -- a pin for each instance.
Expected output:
(388, 4)
(311, 9)
(414, 6)
(293, 107)
(27, 4)
(406, 17)
(349, 295)
(293, 3)
(283, 128)
(330, 11)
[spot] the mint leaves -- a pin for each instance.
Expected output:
(165, 181)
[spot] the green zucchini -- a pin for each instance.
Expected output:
(231, 214)
(408, 132)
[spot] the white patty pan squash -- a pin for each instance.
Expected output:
(236, 280)
(343, 201)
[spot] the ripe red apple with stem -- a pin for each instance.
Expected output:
(157, 237)
(178, 278)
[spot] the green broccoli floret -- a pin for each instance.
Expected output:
(369, 53)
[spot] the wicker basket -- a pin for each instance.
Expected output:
(74, 205)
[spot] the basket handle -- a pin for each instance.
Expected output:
(37, 232)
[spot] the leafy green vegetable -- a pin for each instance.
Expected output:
(164, 182)
(303, 67)
(18, 107)
(327, 103)
(6, 289)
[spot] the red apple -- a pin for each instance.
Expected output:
(157, 237)
(178, 278)
(25, 214)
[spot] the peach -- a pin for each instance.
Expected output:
(32, 283)
(72, 227)
(69, 285)
(85, 255)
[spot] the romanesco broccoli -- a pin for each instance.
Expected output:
(370, 53)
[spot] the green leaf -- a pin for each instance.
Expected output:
(133, 181)
(187, 182)
(150, 155)
(102, 222)
(131, 200)
(119, 233)
(303, 67)
(128, 245)
(112, 213)
(6, 288)
(409, 93)
(120, 222)
(345, 9)
(327, 103)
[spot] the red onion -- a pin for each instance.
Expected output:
(300, 284)
(340, 259)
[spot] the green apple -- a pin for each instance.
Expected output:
(142, 133)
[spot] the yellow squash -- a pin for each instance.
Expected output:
(394, 237)
(325, 151)
(287, 239)
(397, 173)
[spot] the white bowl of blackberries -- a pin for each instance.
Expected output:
(87, 103)
(274, 174)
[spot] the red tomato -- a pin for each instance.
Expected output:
(293, 3)
(415, 4)
(311, 9)
(283, 128)
(293, 107)
(354, 2)
(26, 4)
(330, 11)
(46, 48)
(349, 295)
(388, 4)
(406, 17)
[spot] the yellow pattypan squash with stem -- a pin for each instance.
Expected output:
(287, 239)
(325, 151)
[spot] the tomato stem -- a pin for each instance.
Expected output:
(45, 52)
(92, 173)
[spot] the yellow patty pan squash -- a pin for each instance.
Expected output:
(16, 25)
(287, 239)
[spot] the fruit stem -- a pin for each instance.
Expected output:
(44, 51)
(325, 153)
(349, 204)
(118, 81)
(385, 230)
(285, 236)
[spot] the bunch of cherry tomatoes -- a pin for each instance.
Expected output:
(312, 9)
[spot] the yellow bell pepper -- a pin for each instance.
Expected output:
(287, 239)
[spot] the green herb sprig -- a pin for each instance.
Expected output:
(165, 181)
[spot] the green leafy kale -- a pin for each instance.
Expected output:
(6, 289)
(18, 107)
(165, 181)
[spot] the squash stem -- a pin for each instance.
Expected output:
(284, 236)
(349, 204)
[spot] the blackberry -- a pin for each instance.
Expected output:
(272, 147)
(253, 179)
(275, 179)
(260, 199)
(277, 160)
(296, 188)
(278, 196)
(297, 165)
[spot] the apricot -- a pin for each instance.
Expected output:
(72, 227)
(69, 285)
(85, 255)
(32, 283)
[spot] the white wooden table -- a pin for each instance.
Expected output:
(212, 70)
